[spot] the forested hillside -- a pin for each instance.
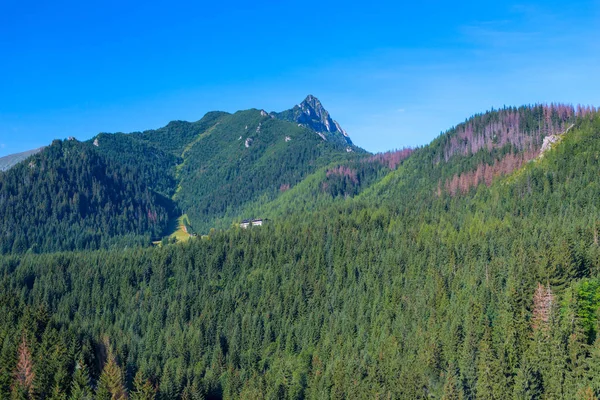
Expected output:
(248, 157)
(411, 287)
(68, 197)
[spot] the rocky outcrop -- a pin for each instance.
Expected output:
(551, 139)
(312, 115)
(548, 141)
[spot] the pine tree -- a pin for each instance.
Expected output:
(7, 363)
(594, 363)
(528, 382)
(586, 394)
(19, 392)
(578, 362)
(110, 384)
(80, 389)
(489, 371)
(142, 388)
(451, 386)
(543, 301)
(192, 392)
(58, 393)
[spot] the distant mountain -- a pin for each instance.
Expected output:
(311, 114)
(10, 160)
(123, 188)
(228, 167)
(247, 157)
(215, 168)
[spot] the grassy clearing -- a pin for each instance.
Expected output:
(181, 232)
(178, 229)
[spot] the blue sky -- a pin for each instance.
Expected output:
(393, 74)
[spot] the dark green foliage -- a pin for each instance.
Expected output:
(68, 197)
(154, 167)
(177, 135)
(80, 388)
(143, 390)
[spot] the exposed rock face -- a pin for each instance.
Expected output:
(311, 114)
(551, 139)
(548, 141)
(248, 142)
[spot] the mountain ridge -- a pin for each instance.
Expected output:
(227, 167)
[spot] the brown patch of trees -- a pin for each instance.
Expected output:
(484, 173)
(523, 128)
(343, 171)
(543, 299)
(24, 372)
(392, 158)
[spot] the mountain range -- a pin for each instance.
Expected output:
(215, 171)
(465, 268)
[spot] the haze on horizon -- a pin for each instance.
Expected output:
(393, 75)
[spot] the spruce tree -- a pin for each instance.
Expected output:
(489, 372)
(80, 388)
(452, 389)
(110, 384)
(142, 388)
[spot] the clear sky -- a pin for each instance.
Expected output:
(392, 73)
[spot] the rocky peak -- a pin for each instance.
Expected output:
(311, 114)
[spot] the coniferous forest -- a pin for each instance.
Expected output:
(468, 268)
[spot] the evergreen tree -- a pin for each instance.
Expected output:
(490, 382)
(452, 385)
(142, 388)
(110, 384)
(81, 388)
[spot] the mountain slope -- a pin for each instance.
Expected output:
(156, 167)
(247, 156)
(489, 293)
(217, 168)
(485, 146)
(68, 197)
